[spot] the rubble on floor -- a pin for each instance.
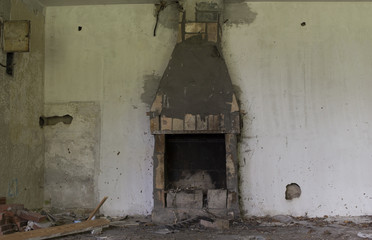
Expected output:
(16, 222)
(258, 228)
(15, 218)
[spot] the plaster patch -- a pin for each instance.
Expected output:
(239, 13)
(151, 84)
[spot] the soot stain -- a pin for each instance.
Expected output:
(168, 18)
(150, 86)
(239, 13)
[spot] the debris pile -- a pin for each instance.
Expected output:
(15, 218)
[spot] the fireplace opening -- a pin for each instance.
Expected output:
(195, 162)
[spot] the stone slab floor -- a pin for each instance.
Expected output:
(277, 227)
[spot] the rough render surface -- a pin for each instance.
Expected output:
(21, 104)
(304, 90)
(72, 155)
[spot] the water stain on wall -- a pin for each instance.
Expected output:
(238, 13)
(150, 86)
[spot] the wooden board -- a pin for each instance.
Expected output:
(58, 231)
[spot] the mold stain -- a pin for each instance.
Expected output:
(238, 13)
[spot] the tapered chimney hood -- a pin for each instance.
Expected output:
(195, 94)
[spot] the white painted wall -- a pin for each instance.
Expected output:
(305, 91)
(107, 62)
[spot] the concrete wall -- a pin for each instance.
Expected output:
(304, 91)
(72, 153)
(21, 104)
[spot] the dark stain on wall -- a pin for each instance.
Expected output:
(238, 13)
(168, 17)
(150, 86)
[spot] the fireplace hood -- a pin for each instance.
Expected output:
(195, 93)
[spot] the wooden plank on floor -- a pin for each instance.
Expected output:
(58, 231)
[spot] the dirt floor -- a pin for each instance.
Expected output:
(278, 227)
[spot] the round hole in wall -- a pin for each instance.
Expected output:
(80, 28)
(293, 190)
(303, 24)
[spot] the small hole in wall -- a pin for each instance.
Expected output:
(303, 24)
(80, 28)
(293, 190)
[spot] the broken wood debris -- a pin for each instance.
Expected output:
(59, 231)
(97, 208)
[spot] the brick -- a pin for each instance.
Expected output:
(5, 207)
(7, 232)
(217, 198)
(216, 224)
(6, 227)
(2, 200)
(32, 216)
(185, 199)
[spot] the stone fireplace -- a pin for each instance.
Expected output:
(195, 121)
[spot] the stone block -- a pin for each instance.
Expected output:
(221, 122)
(177, 124)
(217, 198)
(212, 32)
(195, 27)
(179, 36)
(166, 123)
(159, 172)
(232, 200)
(190, 122)
(154, 124)
(201, 124)
(185, 199)
(157, 105)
